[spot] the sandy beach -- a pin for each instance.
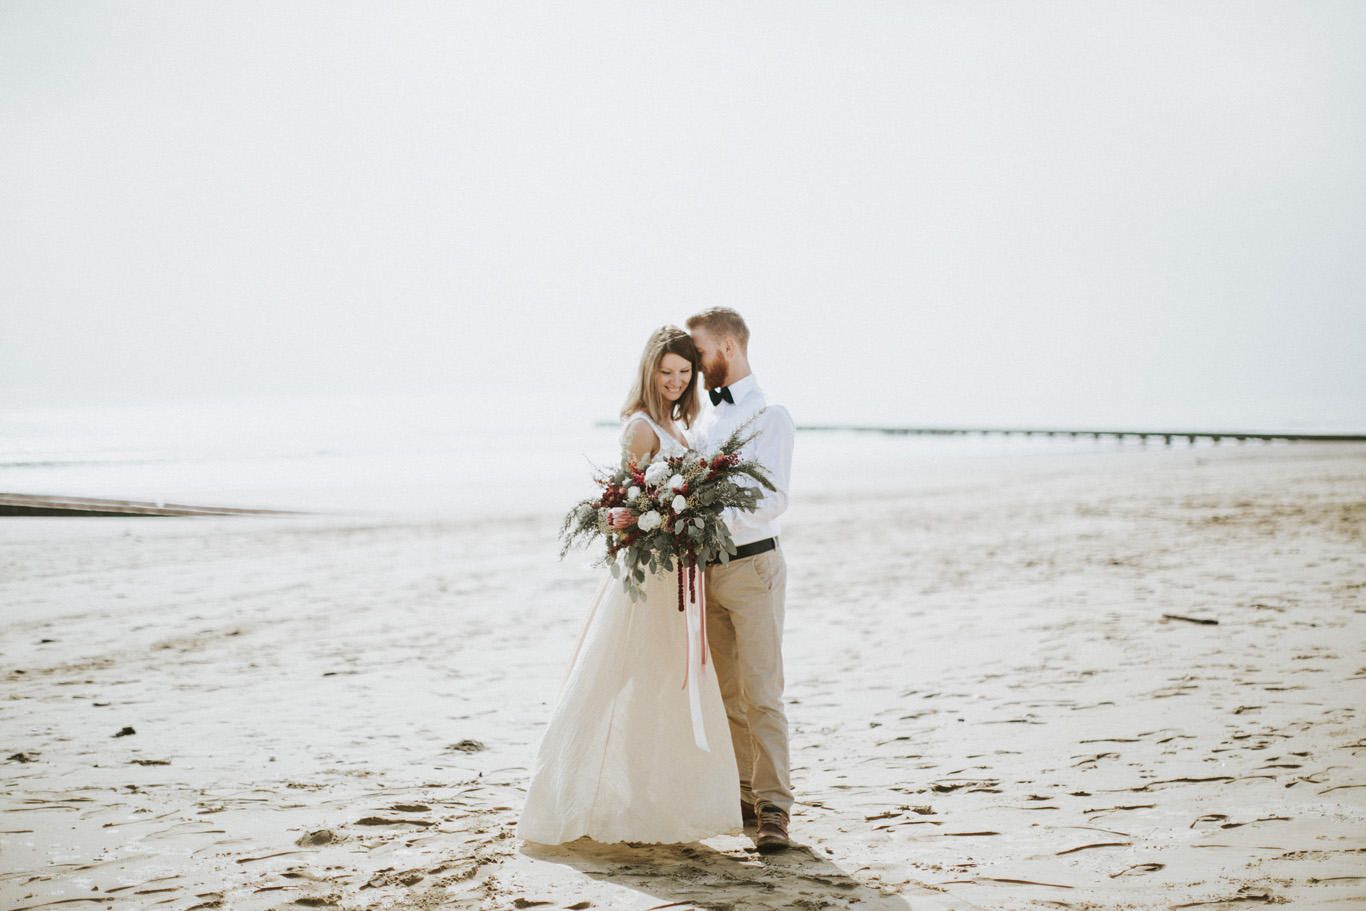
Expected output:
(1092, 680)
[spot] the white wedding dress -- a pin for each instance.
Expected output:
(619, 761)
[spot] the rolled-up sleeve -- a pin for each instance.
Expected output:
(771, 448)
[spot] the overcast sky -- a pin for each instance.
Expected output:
(955, 212)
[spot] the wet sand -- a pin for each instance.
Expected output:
(1102, 680)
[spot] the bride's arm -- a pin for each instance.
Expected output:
(640, 442)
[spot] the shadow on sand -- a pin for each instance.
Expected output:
(739, 880)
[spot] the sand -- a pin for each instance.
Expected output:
(1091, 680)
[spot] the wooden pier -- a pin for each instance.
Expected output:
(22, 504)
(1167, 436)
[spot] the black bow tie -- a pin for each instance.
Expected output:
(720, 395)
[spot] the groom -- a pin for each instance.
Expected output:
(745, 598)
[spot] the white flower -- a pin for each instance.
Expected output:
(632, 494)
(680, 503)
(656, 473)
(649, 521)
(675, 482)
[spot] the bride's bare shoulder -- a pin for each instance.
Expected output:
(639, 438)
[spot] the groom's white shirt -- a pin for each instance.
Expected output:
(772, 449)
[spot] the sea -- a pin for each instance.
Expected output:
(404, 455)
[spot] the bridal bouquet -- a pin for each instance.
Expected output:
(677, 502)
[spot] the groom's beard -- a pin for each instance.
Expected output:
(715, 370)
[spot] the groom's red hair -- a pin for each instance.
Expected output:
(723, 322)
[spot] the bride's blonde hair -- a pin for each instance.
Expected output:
(645, 395)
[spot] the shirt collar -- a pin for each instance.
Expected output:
(741, 388)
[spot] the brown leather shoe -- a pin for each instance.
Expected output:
(747, 815)
(772, 835)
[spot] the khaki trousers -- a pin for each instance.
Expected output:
(745, 633)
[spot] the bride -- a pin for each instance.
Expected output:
(620, 760)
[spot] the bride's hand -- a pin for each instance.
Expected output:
(621, 517)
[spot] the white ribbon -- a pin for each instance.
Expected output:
(696, 665)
